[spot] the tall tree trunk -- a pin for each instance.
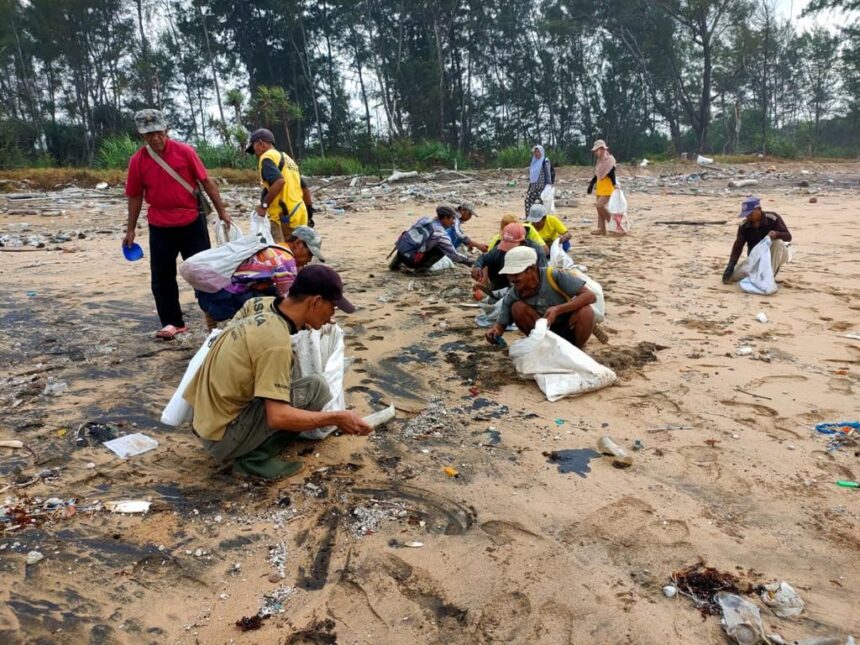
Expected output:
(144, 49)
(214, 68)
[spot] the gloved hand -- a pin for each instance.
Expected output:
(591, 186)
(727, 274)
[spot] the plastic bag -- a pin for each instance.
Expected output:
(261, 229)
(211, 270)
(595, 288)
(619, 222)
(559, 368)
(177, 411)
(760, 278)
(443, 264)
(558, 259)
(224, 234)
(322, 352)
(547, 198)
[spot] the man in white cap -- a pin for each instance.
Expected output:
(171, 178)
(554, 294)
(757, 225)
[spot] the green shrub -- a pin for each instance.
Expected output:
(514, 157)
(435, 154)
(221, 156)
(115, 151)
(330, 166)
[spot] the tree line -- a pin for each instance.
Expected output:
(471, 81)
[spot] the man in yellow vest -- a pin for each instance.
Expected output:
(282, 200)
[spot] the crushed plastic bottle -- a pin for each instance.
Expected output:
(620, 459)
(741, 619)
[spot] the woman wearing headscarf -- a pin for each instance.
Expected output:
(540, 175)
(604, 182)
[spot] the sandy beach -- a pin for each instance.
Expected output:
(518, 547)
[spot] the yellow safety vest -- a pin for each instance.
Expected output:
(289, 207)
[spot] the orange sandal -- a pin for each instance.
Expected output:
(169, 332)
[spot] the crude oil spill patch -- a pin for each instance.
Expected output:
(621, 359)
(494, 437)
(414, 354)
(318, 574)
(576, 460)
(444, 516)
(395, 381)
(489, 409)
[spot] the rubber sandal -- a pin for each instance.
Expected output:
(169, 332)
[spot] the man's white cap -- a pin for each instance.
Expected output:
(518, 260)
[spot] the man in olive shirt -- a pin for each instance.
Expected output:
(535, 293)
(246, 405)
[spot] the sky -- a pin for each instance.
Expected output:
(792, 9)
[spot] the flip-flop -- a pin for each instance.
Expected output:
(169, 332)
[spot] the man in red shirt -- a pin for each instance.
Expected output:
(177, 225)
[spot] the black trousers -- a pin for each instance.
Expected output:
(431, 257)
(165, 243)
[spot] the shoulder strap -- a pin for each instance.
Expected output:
(551, 279)
(281, 163)
(170, 171)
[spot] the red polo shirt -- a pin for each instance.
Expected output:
(169, 203)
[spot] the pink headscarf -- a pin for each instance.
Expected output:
(604, 165)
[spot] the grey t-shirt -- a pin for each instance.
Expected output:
(546, 296)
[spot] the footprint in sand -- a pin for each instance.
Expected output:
(502, 532)
(761, 410)
(706, 457)
(505, 618)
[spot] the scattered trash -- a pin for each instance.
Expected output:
(643, 163)
(741, 183)
(131, 445)
(638, 445)
(813, 200)
(380, 418)
(451, 472)
(400, 176)
(31, 294)
(620, 459)
(761, 317)
(11, 443)
(251, 623)
(413, 545)
(704, 161)
(34, 556)
(741, 619)
(573, 461)
(852, 336)
(559, 422)
(782, 599)
(55, 388)
(847, 484)
(102, 185)
(128, 506)
(669, 591)
(746, 350)
(701, 583)
(93, 433)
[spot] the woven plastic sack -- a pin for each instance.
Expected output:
(760, 279)
(323, 352)
(177, 411)
(559, 368)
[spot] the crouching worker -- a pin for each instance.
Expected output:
(536, 293)
(427, 242)
(247, 408)
(756, 226)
